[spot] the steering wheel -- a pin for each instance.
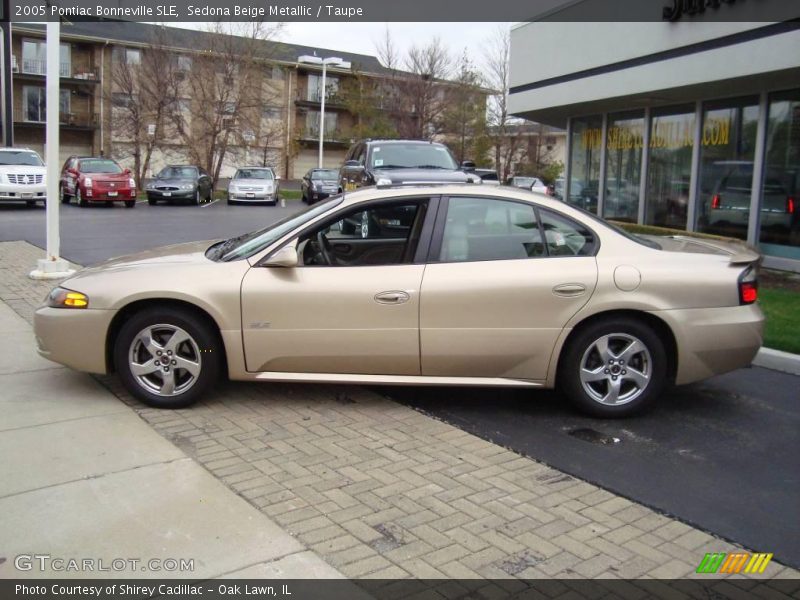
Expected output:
(324, 245)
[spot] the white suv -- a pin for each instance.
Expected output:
(22, 176)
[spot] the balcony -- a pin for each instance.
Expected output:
(37, 69)
(332, 136)
(306, 97)
(75, 121)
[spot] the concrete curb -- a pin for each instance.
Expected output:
(778, 361)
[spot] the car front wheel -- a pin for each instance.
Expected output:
(166, 357)
(614, 368)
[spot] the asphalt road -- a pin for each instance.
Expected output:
(96, 233)
(721, 455)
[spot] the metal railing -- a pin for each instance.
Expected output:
(309, 95)
(31, 66)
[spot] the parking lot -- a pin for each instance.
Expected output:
(688, 458)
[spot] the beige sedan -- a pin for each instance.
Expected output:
(437, 285)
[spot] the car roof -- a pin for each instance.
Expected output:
(12, 149)
(401, 141)
(255, 167)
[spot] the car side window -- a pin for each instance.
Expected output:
(479, 229)
(381, 234)
(362, 154)
(565, 237)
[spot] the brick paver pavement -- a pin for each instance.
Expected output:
(380, 490)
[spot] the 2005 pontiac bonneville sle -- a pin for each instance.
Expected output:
(452, 285)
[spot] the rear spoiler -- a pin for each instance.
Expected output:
(740, 253)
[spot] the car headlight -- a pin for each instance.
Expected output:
(87, 181)
(187, 186)
(150, 186)
(132, 182)
(383, 181)
(63, 298)
(233, 189)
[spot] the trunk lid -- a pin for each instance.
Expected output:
(738, 253)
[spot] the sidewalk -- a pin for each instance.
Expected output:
(84, 477)
(373, 488)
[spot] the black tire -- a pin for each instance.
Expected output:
(151, 201)
(207, 343)
(231, 202)
(30, 203)
(305, 198)
(130, 203)
(582, 347)
(63, 196)
(196, 199)
(79, 199)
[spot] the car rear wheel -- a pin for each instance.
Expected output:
(614, 368)
(79, 198)
(62, 196)
(166, 357)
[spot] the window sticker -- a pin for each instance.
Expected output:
(378, 162)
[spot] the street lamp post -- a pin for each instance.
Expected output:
(53, 266)
(334, 61)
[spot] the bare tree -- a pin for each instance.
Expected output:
(140, 102)
(421, 87)
(220, 100)
(502, 126)
(464, 116)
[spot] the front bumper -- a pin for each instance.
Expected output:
(121, 195)
(712, 341)
(22, 193)
(252, 197)
(317, 195)
(75, 338)
(171, 195)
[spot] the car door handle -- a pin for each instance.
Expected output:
(392, 297)
(569, 290)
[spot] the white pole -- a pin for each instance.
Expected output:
(322, 115)
(52, 267)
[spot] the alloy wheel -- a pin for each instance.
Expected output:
(616, 369)
(164, 359)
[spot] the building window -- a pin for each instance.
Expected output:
(314, 93)
(34, 58)
(585, 162)
(272, 112)
(128, 56)
(725, 178)
(312, 123)
(277, 73)
(35, 104)
(184, 63)
(623, 166)
(779, 233)
(670, 167)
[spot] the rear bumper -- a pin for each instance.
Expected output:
(712, 341)
(72, 337)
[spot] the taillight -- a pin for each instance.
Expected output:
(716, 201)
(790, 205)
(748, 286)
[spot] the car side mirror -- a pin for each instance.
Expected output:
(277, 177)
(286, 257)
(468, 165)
(127, 172)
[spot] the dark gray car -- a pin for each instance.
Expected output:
(181, 182)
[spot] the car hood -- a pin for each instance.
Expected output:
(172, 181)
(187, 252)
(412, 176)
(29, 169)
(254, 182)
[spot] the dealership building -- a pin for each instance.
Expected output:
(691, 123)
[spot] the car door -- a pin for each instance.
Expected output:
(503, 279)
(357, 312)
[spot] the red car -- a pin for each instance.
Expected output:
(96, 179)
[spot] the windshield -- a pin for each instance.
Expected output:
(248, 244)
(327, 174)
(419, 156)
(253, 174)
(178, 173)
(631, 236)
(26, 158)
(523, 181)
(99, 165)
